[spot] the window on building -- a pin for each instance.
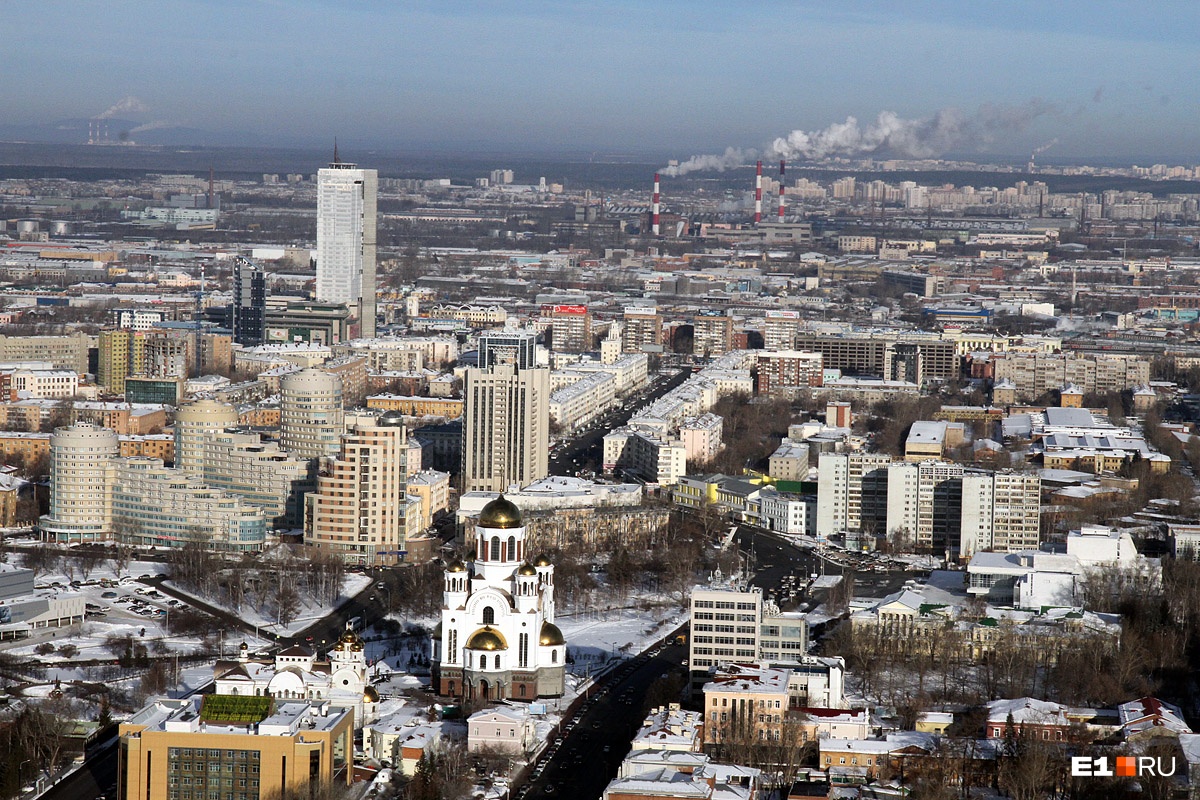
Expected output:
(489, 615)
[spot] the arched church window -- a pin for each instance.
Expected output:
(497, 661)
(512, 548)
(495, 556)
(489, 615)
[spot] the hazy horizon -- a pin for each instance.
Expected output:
(665, 80)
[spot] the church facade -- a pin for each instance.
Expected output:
(295, 673)
(497, 639)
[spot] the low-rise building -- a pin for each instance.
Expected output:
(501, 729)
(1027, 716)
(671, 728)
(198, 744)
(789, 462)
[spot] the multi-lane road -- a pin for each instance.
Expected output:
(585, 450)
(584, 757)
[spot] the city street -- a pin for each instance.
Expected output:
(585, 450)
(589, 754)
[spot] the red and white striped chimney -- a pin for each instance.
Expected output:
(758, 193)
(654, 208)
(782, 167)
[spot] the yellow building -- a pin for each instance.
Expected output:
(744, 705)
(418, 406)
(232, 746)
(360, 510)
(160, 446)
(23, 447)
(119, 353)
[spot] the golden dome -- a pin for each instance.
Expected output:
(500, 513)
(349, 636)
(456, 566)
(550, 635)
(486, 638)
(370, 695)
(542, 560)
(526, 569)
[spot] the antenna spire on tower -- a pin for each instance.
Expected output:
(336, 158)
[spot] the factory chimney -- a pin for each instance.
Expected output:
(758, 192)
(654, 208)
(782, 168)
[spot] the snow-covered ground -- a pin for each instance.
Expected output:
(596, 637)
(309, 613)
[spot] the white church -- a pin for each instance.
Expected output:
(497, 639)
(295, 673)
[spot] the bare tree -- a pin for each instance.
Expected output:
(287, 603)
(42, 559)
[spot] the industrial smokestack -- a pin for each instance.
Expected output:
(782, 168)
(654, 208)
(757, 192)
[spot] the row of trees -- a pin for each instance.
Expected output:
(278, 583)
(82, 561)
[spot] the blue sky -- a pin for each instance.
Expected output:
(1109, 79)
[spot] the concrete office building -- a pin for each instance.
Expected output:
(63, 352)
(731, 623)
(359, 510)
(506, 428)
(852, 492)
(193, 422)
(81, 473)
(924, 506)
(1001, 511)
(346, 230)
(895, 357)
(311, 413)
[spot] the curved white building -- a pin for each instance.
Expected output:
(311, 415)
(193, 422)
(81, 480)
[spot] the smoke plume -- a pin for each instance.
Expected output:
(888, 134)
(126, 105)
(732, 157)
(156, 125)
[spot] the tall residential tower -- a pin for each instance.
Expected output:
(346, 239)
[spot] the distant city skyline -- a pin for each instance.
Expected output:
(669, 79)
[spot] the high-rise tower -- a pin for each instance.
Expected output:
(358, 511)
(249, 302)
(506, 430)
(346, 238)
